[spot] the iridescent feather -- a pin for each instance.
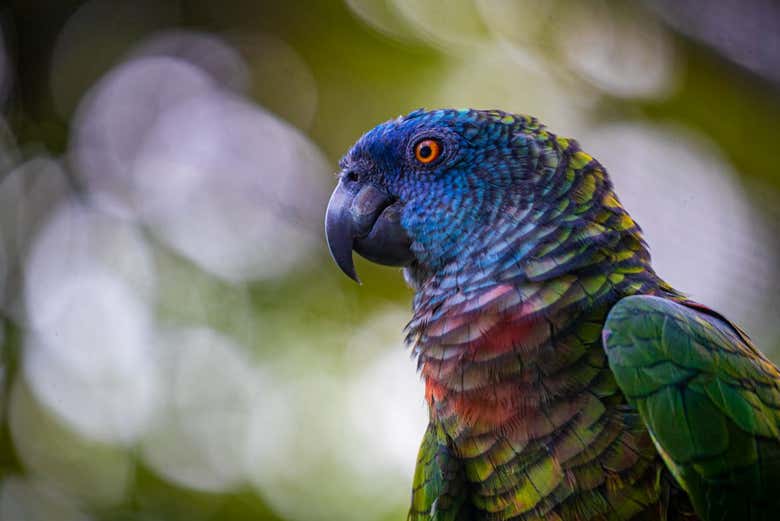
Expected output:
(537, 411)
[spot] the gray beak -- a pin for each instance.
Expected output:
(364, 217)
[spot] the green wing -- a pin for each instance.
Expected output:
(439, 490)
(710, 400)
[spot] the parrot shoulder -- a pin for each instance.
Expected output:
(708, 397)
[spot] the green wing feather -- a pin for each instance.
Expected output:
(439, 489)
(709, 398)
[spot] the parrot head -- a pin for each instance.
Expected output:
(423, 189)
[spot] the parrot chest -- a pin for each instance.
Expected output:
(534, 414)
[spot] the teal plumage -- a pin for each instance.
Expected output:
(565, 380)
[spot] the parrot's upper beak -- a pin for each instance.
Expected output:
(364, 217)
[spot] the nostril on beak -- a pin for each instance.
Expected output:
(351, 176)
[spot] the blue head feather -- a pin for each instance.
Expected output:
(487, 170)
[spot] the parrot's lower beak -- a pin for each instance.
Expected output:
(364, 217)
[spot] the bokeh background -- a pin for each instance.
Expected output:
(177, 345)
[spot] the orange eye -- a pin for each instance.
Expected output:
(427, 150)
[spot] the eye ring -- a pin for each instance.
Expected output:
(426, 151)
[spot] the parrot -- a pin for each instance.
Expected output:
(564, 379)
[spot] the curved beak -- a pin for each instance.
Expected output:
(364, 217)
